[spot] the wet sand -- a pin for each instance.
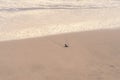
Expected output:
(39, 23)
(91, 55)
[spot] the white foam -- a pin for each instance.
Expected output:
(38, 3)
(28, 24)
(55, 29)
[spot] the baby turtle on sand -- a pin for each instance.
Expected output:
(65, 45)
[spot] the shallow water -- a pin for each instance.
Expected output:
(41, 18)
(8, 5)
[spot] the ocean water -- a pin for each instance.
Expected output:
(10, 5)
(21, 19)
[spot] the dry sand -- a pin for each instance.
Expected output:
(91, 55)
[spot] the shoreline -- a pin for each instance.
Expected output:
(50, 22)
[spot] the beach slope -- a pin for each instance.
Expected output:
(91, 55)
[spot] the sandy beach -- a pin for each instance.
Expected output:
(92, 55)
(33, 34)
